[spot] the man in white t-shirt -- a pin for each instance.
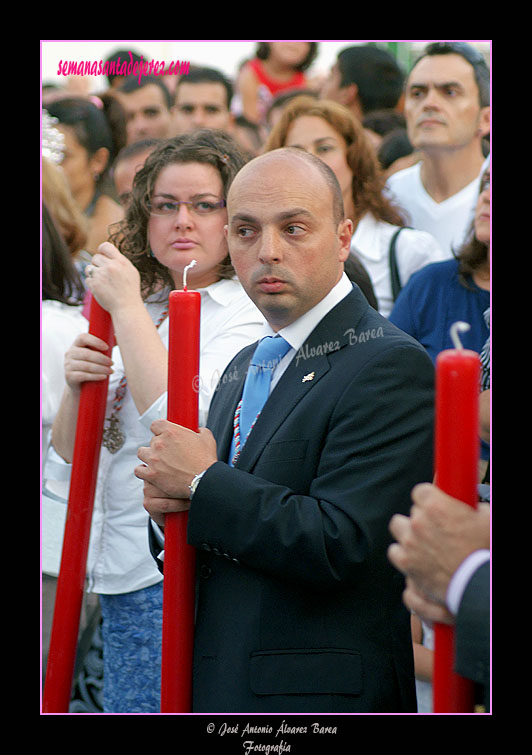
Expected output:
(448, 115)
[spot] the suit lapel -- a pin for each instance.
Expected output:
(285, 396)
(310, 363)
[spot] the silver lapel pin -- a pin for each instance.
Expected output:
(308, 377)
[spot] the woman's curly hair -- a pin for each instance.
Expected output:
(206, 146)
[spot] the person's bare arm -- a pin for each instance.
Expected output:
(249, 89)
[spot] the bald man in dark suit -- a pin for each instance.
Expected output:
(298, 608)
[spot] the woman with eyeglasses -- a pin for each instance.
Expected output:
(176, 214)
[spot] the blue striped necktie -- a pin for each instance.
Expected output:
(265, 359)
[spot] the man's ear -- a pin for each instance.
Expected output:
(348, 95)
(98, 161)
(484, 121)
(345, 233)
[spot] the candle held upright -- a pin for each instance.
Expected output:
(179, 557)
(456, 473)
(71, 580)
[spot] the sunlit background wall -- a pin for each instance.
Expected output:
(226, 55)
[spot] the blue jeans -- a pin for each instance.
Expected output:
(131, 633)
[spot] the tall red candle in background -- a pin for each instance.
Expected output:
(179, 557)
(456, 465)
(70, 584)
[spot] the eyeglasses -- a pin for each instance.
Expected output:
(166, 208)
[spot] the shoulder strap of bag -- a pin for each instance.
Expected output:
(394, 270)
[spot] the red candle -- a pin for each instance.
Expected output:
(456, 465)
(70, 584)
(179, 557)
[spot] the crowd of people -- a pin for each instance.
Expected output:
(337, 229)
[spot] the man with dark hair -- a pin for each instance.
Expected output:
(148, 107)
(364, 78)
(473, 56)
(115, 63)
(289, 495)
(126, 164)
(448, 116)
(203, 100)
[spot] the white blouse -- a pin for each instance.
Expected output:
(60, 324)
(414, 249)
(119, 560)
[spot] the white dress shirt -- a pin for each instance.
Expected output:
(119, 560)
(461, 577)
(297, 332)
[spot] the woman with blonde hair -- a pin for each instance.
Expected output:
(60, 203)
(389, 252)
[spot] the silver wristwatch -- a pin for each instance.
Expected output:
(194, 484)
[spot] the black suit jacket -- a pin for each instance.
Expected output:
(298, 608)
(472, 632)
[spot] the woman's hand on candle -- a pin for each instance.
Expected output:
(85, 361)
(113, 279)
(174, 457)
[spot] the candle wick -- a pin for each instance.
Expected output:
(187, 268)
(458, 327)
